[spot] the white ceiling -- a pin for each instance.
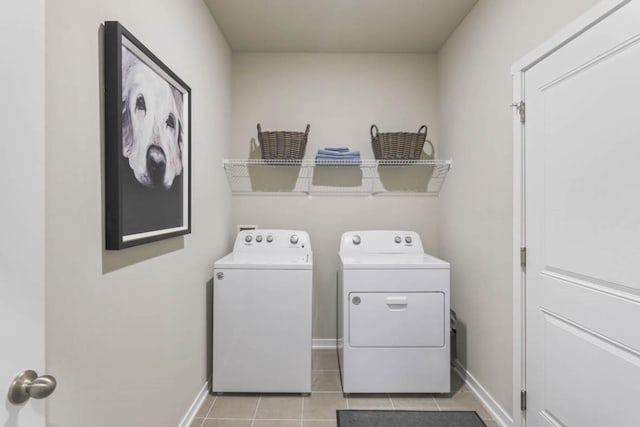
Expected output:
(385, 26)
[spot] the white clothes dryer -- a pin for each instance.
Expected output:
(262, 314)
(393, 315)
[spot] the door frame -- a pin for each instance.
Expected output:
(518, 72)
(23, 247)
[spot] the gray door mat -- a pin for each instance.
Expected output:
(384, 418)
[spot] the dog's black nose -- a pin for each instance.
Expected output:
(156, 164)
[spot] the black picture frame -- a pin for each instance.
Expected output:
(147, 144)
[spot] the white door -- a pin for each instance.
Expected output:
(21, 203)
(582, 187)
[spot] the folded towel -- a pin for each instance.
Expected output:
(327, 156)
(321, 160)
(338, 149)
(334, 160)
(338, 153)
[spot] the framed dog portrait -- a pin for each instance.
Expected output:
(147, 144)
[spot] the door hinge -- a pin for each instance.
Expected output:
(523, 257)
(521, 109)
(523, 400)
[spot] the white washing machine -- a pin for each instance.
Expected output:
(262, 314)
(393, 315)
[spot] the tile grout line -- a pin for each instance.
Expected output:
(209, 411)
(393, 407)
(437, 404)
(203, 420)
(302, 411)
(253, 420)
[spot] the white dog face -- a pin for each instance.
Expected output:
(151, 124)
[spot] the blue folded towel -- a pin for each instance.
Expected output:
(325, 152)
(337, 155)
(337, 161)
(326, 156)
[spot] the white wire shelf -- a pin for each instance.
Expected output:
(336, 177)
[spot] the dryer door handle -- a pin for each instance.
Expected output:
(394, 302)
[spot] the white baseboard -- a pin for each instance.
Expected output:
(323, 344)
(497, 412)
(193, 409)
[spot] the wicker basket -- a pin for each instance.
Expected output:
(398, 145)
(283, 145)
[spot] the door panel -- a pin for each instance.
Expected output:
(594, 376)
(591, 121)
(582, 146)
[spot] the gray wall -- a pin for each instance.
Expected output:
(125, 330)
(476, 204)
(340, 96)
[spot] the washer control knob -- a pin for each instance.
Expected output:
(220, 275)
(294, 239)
(398, 239)
(356, 240)
(356, 300)
(408, 239)
(269, 238)
(259, 238)
(248, 238)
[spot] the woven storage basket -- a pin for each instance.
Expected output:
(283, 145)
(398, 145)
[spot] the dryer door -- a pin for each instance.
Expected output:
(396, 319)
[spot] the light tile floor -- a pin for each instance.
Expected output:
(319, 408)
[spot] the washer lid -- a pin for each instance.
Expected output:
(266, 261)
(392, 261)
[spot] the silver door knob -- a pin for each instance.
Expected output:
(28, 384)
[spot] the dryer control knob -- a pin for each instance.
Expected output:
(356, 240)
(408, 239)
(398, 239)
(259, 238)
(269, 238)
(294, 239)
(248, 238)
